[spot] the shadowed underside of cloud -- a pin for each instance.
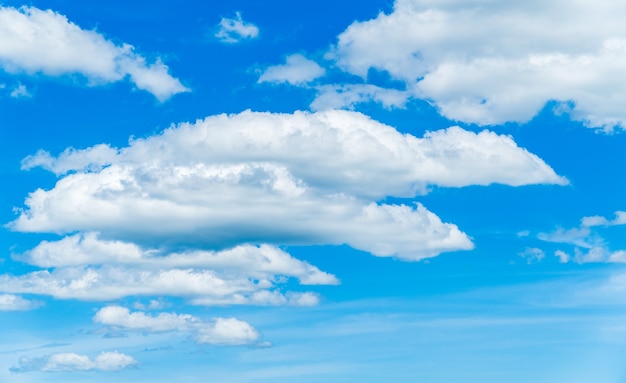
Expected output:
(37, 41)
(489, 62)
(71, 362)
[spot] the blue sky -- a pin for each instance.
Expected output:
(249, 191)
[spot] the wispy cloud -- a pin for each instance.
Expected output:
(71, 362)
(234, 30)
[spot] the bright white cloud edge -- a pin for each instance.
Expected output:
(43, 41)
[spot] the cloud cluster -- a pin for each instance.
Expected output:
(71, 362)
(37, 41)
(589, 246)
(232, 31)
(219, 331)
(487, 63)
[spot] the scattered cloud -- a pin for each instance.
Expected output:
(297, 70)
(532, 255)
(208, 178)
(347, 96)
(589, 246)
(218, 331)
(71, 362)
(232, 31)
(458, 55)
(37, 41)
(9, 302)
(20, 91)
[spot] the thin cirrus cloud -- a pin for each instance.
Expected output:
(72, 362)
(489, 63)
(218, 331)
(218, 182)
(297, 70)
(232, 31)
(43, 41)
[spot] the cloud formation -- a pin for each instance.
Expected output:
(220, 181)
(489, 63)
(297, 70)
(232, 31)
(71, 362)
(218, 331)
(43, 41)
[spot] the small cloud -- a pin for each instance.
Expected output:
(532, 255)
(232, 31)
(10, 302)
(219, 331)
(20, 91)
(349, 95)
(297, 70)
(563, 256)
(71, 362)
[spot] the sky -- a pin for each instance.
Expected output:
(246, 191)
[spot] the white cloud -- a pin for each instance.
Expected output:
(219, 331)
(218, 182)
(532, 255)
(37, 41)
(234, 30)
(487, 62)
(586, 237)
(86, 267)
(20, 91)
(349, 95)
(297, 70)
(71, 362)
(9, 302)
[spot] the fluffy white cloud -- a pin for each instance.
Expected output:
(219, 331)
(89, 268)
(258, 262)
(232, 179)
(297, 70)
(71, 362)
(234, 30)
(37, 41)
(349, 95)
(10, 302)
(488, 62)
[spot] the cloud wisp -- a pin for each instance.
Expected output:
(297, 70)
(36, 41)
(72, 362)
(232, 31)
